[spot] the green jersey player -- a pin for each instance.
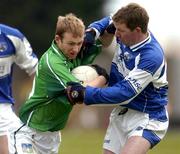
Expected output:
(47, 109)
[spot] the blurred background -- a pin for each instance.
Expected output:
(37, 20)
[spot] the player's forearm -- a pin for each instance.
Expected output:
(106, 39)
(109, 96)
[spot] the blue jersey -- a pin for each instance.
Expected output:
(137, 79)
(14, 48)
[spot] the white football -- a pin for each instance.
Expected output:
(85, 73)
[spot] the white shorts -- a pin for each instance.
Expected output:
(9, 123)
(8, 119)
(126, 123)
(31, 141)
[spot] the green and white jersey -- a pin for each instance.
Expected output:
(47, 108)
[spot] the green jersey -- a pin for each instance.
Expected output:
(47, 108)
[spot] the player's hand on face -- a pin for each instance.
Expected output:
(75, 93)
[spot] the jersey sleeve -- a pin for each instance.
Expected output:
(147, 69)
(24, 56)
(100, 25)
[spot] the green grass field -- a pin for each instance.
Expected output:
(90, 142)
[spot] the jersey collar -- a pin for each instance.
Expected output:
(57, 50)
(141, 44)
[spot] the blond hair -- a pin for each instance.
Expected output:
(70, 23)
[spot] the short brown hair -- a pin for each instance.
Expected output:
(70, 23)
(133, 15)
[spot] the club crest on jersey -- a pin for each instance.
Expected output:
(3, 46)
(127, 56)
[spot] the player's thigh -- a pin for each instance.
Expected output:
(136, 145)
(3, 145)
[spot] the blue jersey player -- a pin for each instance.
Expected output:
(138, 84)
(14, 49)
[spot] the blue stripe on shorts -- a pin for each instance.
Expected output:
(151, 137)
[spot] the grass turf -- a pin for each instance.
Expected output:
(90, 142)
